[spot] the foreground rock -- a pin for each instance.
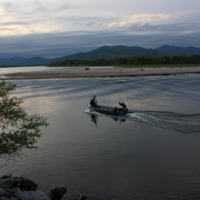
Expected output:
(22, 188)
(58, 192)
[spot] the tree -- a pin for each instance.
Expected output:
(18, 130)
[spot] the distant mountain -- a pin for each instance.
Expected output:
(18, 61)
(179, 50)
(3, 61)
(107, 52)
(35, 61)
(15, 60)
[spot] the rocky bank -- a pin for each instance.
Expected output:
(22, 188)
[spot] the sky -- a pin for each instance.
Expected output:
(50, 28)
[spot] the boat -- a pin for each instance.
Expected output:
(107, 110)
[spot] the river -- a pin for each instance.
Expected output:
(152, 153)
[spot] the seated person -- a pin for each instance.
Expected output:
(115, 109)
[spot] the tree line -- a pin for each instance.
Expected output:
(145, 60)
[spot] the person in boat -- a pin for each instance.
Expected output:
(93, 103)
(124, 108)
(123, 105)
(115, 109)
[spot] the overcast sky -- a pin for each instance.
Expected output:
(50, 28)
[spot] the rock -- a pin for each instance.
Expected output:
(58, 192)
(9, 193)
(2, 185)
(2, 181)
(26, 183)
(33, 188)
(22, 195)
(13, 198)
(5, 198)
(2, 192)
(39, 195)
(6, 176)
(11, 184)
(81, 197)
(7, 183)
(22, 188)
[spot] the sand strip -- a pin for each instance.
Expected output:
(111, 72)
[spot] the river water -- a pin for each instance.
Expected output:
(152, 153)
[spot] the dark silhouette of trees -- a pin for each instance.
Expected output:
(145, 60)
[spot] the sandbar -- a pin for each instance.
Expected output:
(107, 72)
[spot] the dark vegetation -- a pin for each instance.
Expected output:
(18, 130)
(144, 60)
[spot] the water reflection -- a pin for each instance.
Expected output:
(120, 120)
(11, 145)
(94, 119)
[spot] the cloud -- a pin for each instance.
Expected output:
(36, 18)
(62, 44)
(7, 7)
(24, 29)
(63, 8)
(145, 18)
(172, 29)
(58, 28)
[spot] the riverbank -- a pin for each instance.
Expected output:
(23, 188)
(111, 72)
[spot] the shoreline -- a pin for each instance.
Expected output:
(23, 188)
(111, 72)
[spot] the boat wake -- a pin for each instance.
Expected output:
(189, 124)
(94, 112)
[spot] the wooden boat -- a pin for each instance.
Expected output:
(107, 110)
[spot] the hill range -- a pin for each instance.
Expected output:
(107, 52)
